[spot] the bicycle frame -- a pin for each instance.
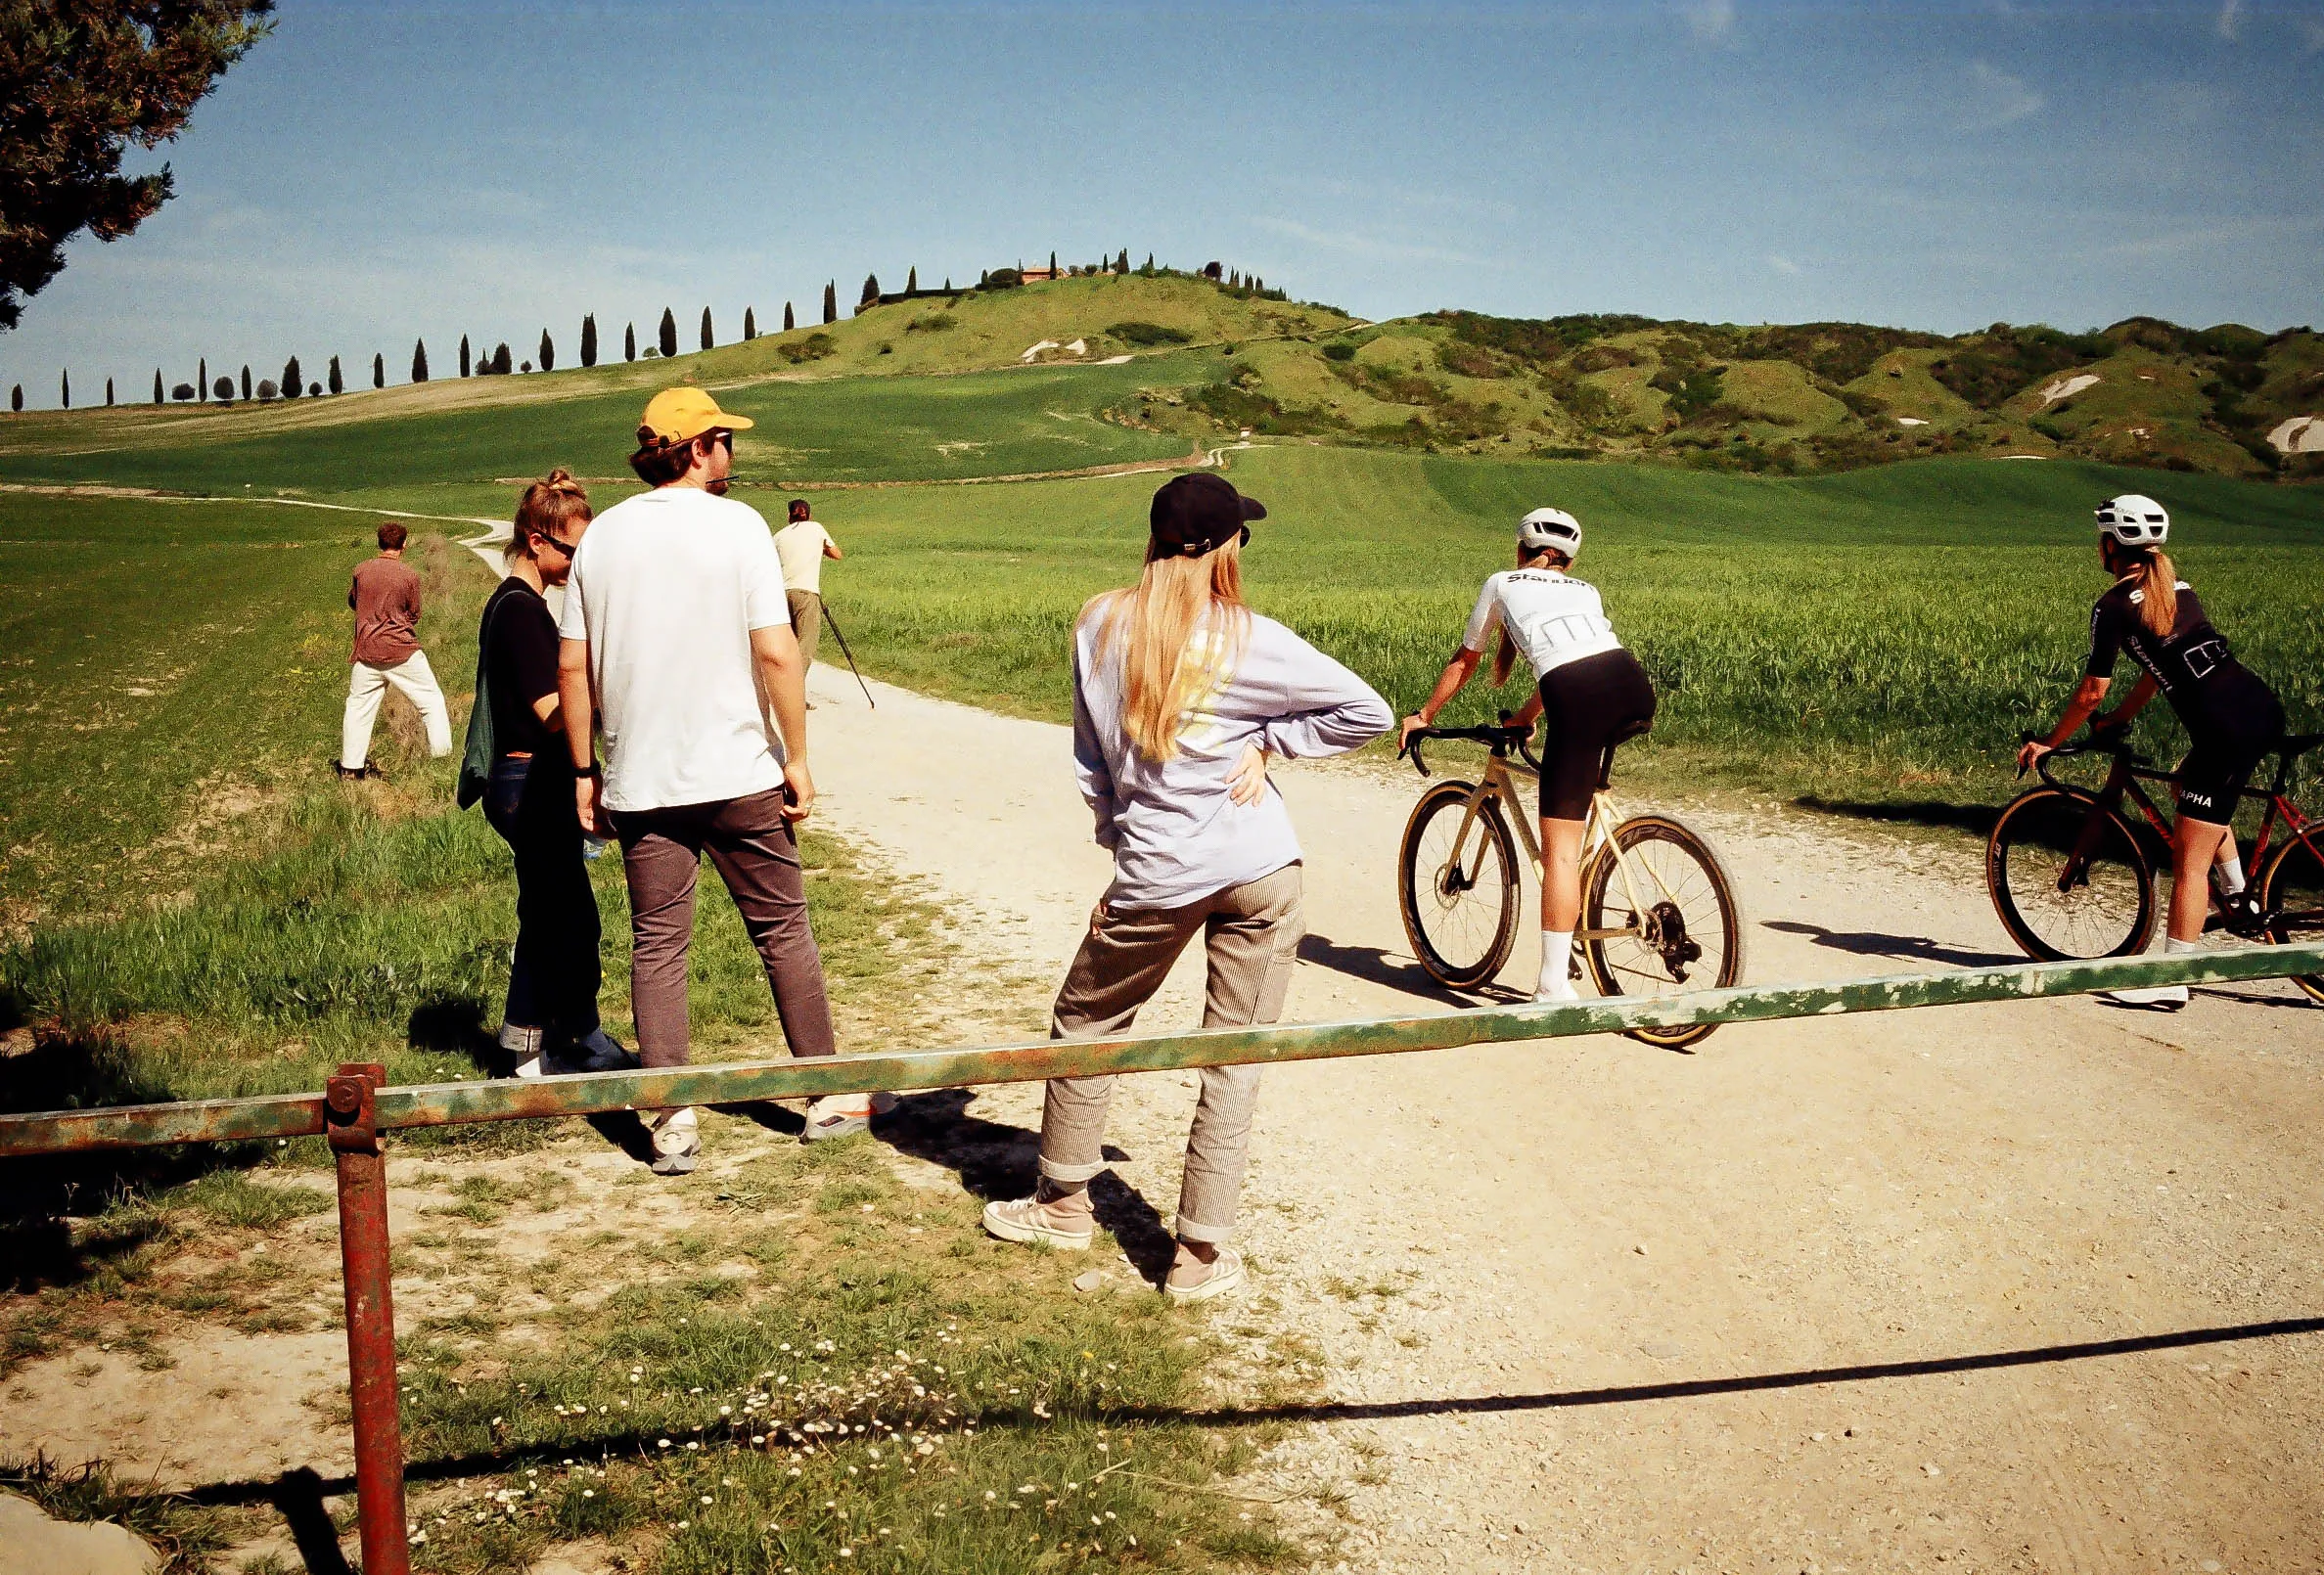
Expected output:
(2123, 781)
(1597, 840)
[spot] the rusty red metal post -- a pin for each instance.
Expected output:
(352, 1124)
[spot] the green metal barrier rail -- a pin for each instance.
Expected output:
(357, 1108)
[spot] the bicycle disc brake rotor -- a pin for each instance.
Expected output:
(1665, 934)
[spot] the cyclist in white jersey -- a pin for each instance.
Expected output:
(1594, 692)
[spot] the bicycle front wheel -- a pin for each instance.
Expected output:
(1672, 906)
(1460, 913)
(2068, 879)
(2292, 894)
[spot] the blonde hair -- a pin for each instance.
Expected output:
(1153, 627)
(1505, 653)
(2158, 583)
(548, 507)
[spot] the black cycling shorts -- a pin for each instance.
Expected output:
(2212, 776)
(1588, 707)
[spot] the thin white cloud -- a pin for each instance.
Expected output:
(1711, 21)
(1783, 265)
(1993, 99)
(1364, 246)
(2231, 19)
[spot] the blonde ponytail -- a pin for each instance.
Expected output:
(1153, 627)
(2159, 579)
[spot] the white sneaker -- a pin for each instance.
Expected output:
(677, 1142)
(2161, 997)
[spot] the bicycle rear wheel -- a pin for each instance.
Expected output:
(1461, 919)
(2104, 907)
(2293, 890)
(1688, 935)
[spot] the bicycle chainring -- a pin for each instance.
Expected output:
(1666, 933)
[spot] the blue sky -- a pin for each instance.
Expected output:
(375, 173)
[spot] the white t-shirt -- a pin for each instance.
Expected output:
(1553, 618)
(665, 588)
(801, 547)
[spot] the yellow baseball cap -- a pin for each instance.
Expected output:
(681, 415)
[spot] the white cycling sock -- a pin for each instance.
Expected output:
(2172, 946)
(2229, 872)
(1557, 958)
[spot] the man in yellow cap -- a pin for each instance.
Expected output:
(678, 649)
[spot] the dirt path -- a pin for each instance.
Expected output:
(1901, 1291)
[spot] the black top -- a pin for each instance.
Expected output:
(2191, 664)
(520, 666)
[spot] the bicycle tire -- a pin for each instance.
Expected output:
(2111, 912)
(1447, 946)
(2295, 880)
(1615, 973)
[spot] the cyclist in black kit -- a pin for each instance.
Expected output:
(1594, 692)
(2232, 718)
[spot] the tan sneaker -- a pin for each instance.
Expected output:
(677, 1142)
(1222, 1275)
(1062, 1222)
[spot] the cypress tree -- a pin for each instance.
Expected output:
(337, 383)
(201, 386)
(464, 355)
(1053, 265)
(65, 388)
(294, 381)
(500, 359)
(246, 382)
(669, 333)
(548, 355)
(705, 327)
(1122, 263)
(589, 341)
(419, 360)
(788, 321)
(109, 391)
(1150, 262)
(16, 397)
(750, 324)
(831, 301)
(378, 370)
(871, 291)
(630, 343)
(157, 386)
(912, 281)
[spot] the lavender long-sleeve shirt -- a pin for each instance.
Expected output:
(1174, 834)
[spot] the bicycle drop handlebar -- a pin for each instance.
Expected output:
(2114, 740)
(1500, 739)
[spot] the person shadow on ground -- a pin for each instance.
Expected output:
(997, 1160)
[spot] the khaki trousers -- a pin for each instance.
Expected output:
(1251, 934)
(367, 686)
(806, 621)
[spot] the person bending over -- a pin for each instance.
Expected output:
(385, 594)
(2231, 716)
(1181, 694)
(1592, 691)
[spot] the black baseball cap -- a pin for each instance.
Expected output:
(1197, 513)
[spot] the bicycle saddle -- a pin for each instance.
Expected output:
(2298, 744)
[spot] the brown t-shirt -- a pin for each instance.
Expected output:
(386, 596)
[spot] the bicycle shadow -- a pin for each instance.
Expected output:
(1399, 971)
(1873, 943)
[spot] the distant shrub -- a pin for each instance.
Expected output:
(1602, 358)
(1468, 361)
(223, 388)
(314, 390)
(2003, 360)
(1865, 405)
(266, 389)
(814, 347)
(933, 323)
(1002, 278)
(1692, 390)
(293, 378)
(182, 393)
(1339, 350)
(1135, 332)
(2048, 428)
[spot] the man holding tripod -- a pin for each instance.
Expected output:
(803, 544)
(677, 646)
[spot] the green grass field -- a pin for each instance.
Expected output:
(1877, 637)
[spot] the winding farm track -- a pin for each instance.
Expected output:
(1868, 1293)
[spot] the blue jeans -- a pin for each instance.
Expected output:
(554, 979)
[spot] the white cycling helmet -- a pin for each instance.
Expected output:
(2134, 520)
(1550, 527)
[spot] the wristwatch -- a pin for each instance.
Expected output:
(591, 769)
